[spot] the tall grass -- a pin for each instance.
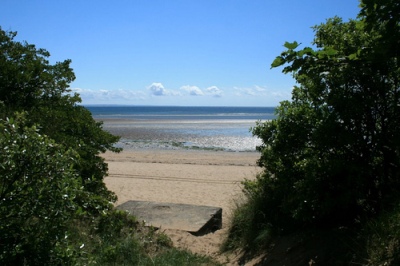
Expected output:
(247, 229)
(382, 239)
(117, 238)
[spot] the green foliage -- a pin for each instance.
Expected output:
(111, 224)
(382, 237)
(27, 78)
(332, 153)
(249, 228)
(174, 257)
(80, 132)
(332, 156)
(51, 171)
(37, 190)
(383, 16)
(28, 82)
(118, 239)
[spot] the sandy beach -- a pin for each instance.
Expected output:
(183, 176)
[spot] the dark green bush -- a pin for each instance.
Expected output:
(331, 158)
(38, 187)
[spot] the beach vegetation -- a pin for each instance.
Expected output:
(38, 190)
(331, 158)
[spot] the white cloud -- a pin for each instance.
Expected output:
(193, 90)
(214, 91)
(157, 89)
(196, 91)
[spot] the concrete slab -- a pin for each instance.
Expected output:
(198, 220)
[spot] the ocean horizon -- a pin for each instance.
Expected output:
(183, 127)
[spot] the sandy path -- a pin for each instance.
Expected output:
(192, 177)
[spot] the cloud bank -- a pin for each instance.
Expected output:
(158, 89)
(157, 93)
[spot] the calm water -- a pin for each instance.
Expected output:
(161, 127)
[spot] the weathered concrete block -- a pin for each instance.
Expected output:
(198, 220)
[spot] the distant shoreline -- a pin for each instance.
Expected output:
(146, 145)
(183, 128)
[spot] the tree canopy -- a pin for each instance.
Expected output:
(28, 82)
(38, 189)
(332, 155)
(51, 171)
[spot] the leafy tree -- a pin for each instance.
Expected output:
(28, 82)
(37, 190)
(384, 16)
(51, 171)
(332, 156)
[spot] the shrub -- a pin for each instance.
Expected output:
(37, 190)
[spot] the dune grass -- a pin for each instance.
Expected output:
(118, 239)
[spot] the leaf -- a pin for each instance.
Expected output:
(277, 62)
(291, 45)
(353, 56)
(329, 51)
(306, 51)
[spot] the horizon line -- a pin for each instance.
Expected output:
(149, 105)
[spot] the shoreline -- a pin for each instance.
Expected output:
(195, 134)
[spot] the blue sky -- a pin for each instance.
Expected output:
(172, 52)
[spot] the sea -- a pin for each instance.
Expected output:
(183, 127)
